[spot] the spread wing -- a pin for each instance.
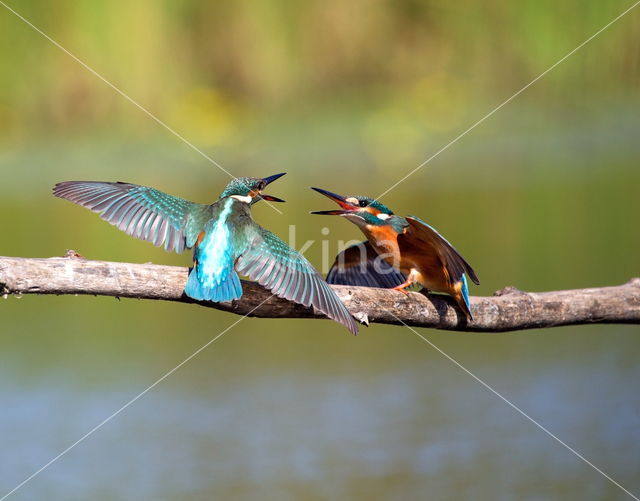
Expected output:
(139, 211)
(360, 265)
(455, 264)
(272, 263)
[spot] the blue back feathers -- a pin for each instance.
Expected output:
(213, 278)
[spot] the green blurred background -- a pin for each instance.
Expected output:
(348, 96)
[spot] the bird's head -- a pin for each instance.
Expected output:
(249, 189)
(359, 210)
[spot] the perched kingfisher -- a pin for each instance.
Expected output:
(225, 239)
(399, 252)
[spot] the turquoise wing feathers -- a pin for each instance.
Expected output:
(272, 263)
(140, 211)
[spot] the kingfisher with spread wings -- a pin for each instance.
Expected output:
(226, 240)
(399, 252)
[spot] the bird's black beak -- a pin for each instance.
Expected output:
(347, 207)
(269, 180)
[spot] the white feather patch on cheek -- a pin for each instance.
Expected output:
(383, 216)
(246, 199)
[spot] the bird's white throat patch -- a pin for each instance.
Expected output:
(357, 220)
(246, 200)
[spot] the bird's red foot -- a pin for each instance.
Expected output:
(402, 287)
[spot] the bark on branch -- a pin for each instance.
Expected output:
(509, 309)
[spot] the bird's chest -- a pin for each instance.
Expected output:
(384, 240)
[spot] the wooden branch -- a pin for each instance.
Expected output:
(509, 309)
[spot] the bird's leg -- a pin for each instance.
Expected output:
(411, 279)
(403, 286)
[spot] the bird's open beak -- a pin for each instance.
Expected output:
(347, 207)
(269, 180)
(271, 198)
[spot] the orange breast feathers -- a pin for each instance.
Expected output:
(384, 240)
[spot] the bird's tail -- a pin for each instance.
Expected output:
(462, 298)
(199, 288)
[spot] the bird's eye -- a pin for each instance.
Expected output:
(363, 203)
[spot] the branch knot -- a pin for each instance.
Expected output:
(509, 289)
